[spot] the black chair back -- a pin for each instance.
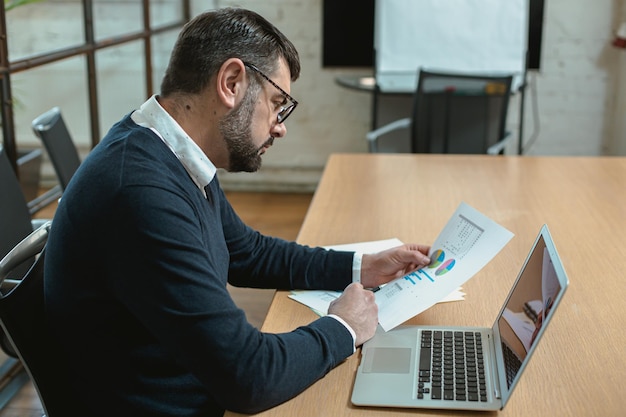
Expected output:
(459, 113)
(15, 218)
(23, 321)
(51, 129)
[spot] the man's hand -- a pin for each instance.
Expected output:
(382, 267)
(357, 307)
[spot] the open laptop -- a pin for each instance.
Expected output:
(412, 366)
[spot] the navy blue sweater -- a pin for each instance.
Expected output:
(135, 284)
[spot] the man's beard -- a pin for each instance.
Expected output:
(235, 127)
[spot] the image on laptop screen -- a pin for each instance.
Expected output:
(527, 309)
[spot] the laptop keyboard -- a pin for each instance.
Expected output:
(451, 366)
(511, 362)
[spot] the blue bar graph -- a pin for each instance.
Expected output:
(421, 271)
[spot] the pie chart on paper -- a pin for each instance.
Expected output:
(445, 267)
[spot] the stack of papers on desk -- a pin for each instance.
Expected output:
(319, 300)
(466, 244)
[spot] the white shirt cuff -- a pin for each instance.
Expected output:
(347, 326)
(356, 277)
(356, 267)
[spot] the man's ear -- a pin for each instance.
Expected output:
(231, 82)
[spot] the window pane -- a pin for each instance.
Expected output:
(35, 28)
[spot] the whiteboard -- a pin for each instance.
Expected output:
(468, 36)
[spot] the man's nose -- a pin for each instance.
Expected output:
(279, 130)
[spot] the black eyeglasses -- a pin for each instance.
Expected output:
(287, 108)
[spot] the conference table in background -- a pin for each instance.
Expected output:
(579, 368)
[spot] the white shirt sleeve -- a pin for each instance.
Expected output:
(356, 267)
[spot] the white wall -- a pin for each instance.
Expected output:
(576, 88)
(578, 97)
(618, 144)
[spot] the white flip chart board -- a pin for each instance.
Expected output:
(469, 36)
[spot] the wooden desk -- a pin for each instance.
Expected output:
(577, 370)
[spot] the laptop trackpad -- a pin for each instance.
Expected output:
(387, 360)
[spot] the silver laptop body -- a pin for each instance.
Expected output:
(393, 370)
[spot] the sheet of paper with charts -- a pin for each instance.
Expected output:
(465, 245)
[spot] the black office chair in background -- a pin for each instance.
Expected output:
(23, 321)
(15, 219)
(455, 113)
(51, 129)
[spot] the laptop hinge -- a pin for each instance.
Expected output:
(494, 369)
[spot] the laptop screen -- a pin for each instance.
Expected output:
(530, 305)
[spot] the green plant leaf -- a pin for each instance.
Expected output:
(12, 4)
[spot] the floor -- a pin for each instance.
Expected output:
(274, 214)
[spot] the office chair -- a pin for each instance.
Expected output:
(51, 129)
(455, 113)
(23, 320)
(15, 219)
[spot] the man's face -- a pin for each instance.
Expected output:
(251, 127)
(236, 127)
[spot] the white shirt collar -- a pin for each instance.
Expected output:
(154, 117)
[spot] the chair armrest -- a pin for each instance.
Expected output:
(46, 198)
(498, 147)
(30, 246)
(372, 136)
(37, 223)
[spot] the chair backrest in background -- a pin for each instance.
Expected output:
(15, 218)
(459, 113)
(51, 129)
